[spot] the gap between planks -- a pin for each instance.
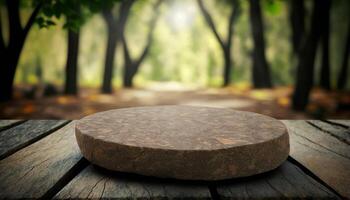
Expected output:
(25, 134)
(312, 175)
(320, 152)
(96, 182)
(65, 179)
(286, 181)
(40, 168)
(91, 183)
(214, 191)
(7, 124)
(340, 123)
(340, 133)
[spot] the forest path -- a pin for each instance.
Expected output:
(272, 102)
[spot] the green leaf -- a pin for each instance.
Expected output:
(273, 7)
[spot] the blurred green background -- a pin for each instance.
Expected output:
(184, 49)
(185, 61)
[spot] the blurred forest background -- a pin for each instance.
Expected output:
(70, 58)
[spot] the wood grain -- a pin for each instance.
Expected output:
(287, 181)
(5, 124)
(341, 133)
(26, 133)
(344, 123)
(322, 153)
(38, 169)
(92, 183)
(34, 170)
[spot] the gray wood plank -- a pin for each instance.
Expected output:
(343, 122)
(326, 156)
(5, 124)
(93, 183)
(32, 171)
(341, 133)
(287, 181)
(26, 133)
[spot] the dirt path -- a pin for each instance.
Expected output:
(273, 102)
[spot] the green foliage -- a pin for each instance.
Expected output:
(76, 12)
(273, 7)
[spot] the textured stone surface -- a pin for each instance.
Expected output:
(183, 142)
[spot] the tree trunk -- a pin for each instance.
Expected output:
(115, 31)
(343, 73)
(9, 61)
(131, 66)
(297, 17)
(10, 54)
(128, 64)
(261, 71)
(225, 45)
(307, 55)
(109, 61)
(131, 70)
(2, 41)
(72, 63)
(227, 66)
(128, 76)
(325, 68)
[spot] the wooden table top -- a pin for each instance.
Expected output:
(40, 159)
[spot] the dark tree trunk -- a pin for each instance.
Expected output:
(128, 65)
(110, 52)
(343, 73)
(127, 80)
(2, 41)
(128, 76)
(227, 66)
(115, 30)
(226, 45)
(10, 54)
(297, 19)
(7, 72)
(307, 55)
(72, 63)
(130, 71)
(131, 66)
(261, 71)
(325, 66)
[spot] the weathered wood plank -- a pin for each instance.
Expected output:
(323, 154)
(95, 183)
(5, 124)
(341, 133)
(342, 122)
(287, 181)
(26, 133)
(32, 171)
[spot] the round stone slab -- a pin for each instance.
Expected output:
(183, 142)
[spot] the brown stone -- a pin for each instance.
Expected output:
(184, 142)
